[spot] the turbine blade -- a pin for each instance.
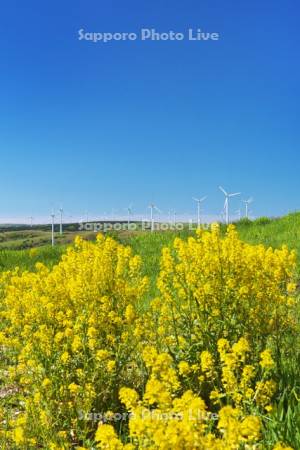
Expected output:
(233, 195)
(203, 198)
(223, 190)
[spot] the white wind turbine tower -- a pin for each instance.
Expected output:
(199, 201)
(61, 211)
(152, 209)
(226, 204)
(239, 214)
(247, 203)
(31, 221)
(52, 228)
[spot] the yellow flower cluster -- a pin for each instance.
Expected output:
(69, 337)
(213, 287)
(165, 419)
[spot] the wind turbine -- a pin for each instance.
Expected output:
(31, 221)
(199, 201)
(226, 204)
(247, 203)
(61, 220)
(238, 212)
(152, 209)
(52, 228)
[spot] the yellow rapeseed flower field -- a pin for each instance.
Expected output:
(86, 365)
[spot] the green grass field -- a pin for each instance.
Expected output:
(15, 246)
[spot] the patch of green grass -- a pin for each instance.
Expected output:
(26, 259)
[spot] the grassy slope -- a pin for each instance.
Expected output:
(273, 233)
(26, 239)
(277, 232)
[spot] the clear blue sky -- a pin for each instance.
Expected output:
(98, 126)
